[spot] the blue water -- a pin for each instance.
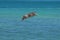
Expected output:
(45, 26)
(33, 29)
(31, 4)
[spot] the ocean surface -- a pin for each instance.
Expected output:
(44, 26)
(29, 4)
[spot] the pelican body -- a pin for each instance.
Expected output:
(28, 15)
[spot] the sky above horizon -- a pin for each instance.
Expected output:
(29, 0)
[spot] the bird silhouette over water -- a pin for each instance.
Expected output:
(28, 15)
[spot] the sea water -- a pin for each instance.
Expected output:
(44, 26)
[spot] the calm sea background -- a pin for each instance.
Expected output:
(44, 26)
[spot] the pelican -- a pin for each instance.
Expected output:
(28, 15)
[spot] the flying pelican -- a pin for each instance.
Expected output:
(28, 15)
